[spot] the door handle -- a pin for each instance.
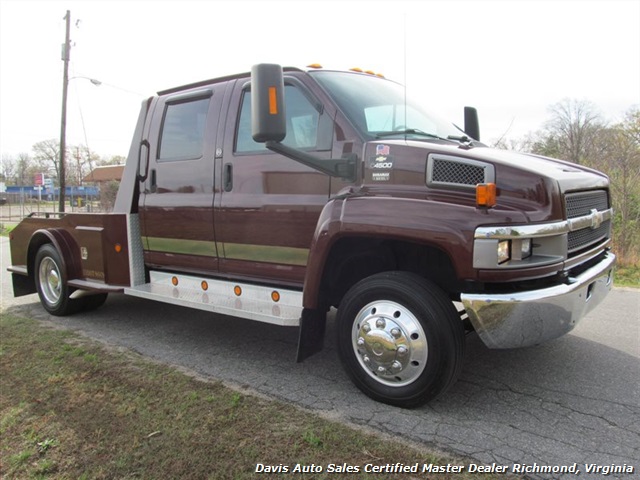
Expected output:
(143, 160)
(228, 177)
(153, 187)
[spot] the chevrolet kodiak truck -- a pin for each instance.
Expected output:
(278, 195)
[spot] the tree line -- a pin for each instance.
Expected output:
(44, 158)
(575, 131)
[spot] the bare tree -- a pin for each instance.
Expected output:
(622, 163)
(114, 160)
(8, 168)
(47, 154)
(572, 131)
(25, 169)
(81, 162)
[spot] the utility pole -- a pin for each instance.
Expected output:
(66, 49)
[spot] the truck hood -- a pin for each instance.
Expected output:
(569, 176)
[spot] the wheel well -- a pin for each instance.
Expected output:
(63, 243)
(36, 242)
(355, 258)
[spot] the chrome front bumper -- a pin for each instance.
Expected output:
(528, 318)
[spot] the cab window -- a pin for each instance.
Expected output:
(182, 133)
(306, 128)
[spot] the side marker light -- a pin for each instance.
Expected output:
(486, 194)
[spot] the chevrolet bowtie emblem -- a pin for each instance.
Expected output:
(596, 219)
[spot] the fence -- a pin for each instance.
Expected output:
(15, 206)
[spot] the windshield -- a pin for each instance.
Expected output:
(377, 107)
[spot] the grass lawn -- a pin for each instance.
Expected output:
(73, 409)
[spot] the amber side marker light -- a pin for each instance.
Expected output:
(117, 247)
(486, 194)
(204, 285)
(273, 101)
(237, 290)
(174, 281)
(275, 296)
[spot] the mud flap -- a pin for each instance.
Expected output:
(311, 338)
(22, 285)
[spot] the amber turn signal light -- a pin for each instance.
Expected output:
(486, 194)
(273, 101)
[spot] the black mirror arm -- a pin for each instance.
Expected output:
(343, 168)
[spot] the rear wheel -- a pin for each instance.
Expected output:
(400, 338)
(51, 282)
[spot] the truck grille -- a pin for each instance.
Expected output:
(580, 204)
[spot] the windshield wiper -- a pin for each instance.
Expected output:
(415, 131)
(460, 138)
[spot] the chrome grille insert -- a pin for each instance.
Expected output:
(579, 204)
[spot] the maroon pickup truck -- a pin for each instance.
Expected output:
(279, 194)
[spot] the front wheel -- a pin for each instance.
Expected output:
(51, 282)
(400, 338)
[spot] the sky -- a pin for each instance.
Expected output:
(512, 59)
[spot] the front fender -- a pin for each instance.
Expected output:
(445, 226)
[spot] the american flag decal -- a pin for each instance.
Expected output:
(382, 150)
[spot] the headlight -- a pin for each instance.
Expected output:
(525, 248)
(504, 251)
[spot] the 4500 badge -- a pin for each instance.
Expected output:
(381, 161)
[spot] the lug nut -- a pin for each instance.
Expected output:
(366, 328)
(366, 359)
(361, 342)
(381, 369)
(380, 323)
(395, 332)
(397, 366)
(402, 350)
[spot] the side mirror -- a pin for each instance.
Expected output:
(268, 120)
(471, 124)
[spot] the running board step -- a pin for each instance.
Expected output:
(263, 304)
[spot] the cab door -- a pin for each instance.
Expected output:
(177, 198)
(269, 205)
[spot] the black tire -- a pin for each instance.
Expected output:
(400, 338)
(92, 302)
(51, 282)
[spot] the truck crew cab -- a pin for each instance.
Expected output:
(278, 195)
